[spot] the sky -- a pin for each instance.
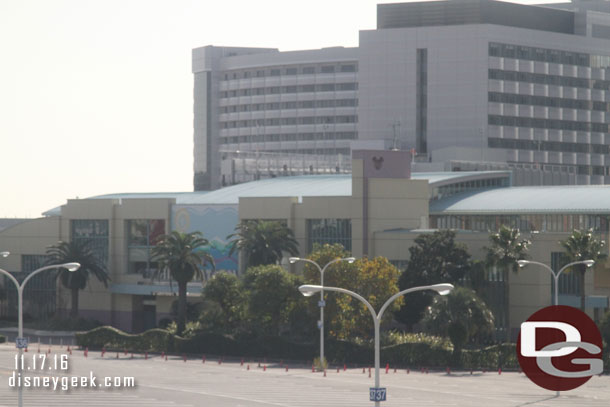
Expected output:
(96, 96)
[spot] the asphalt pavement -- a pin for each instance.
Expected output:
(174, 382)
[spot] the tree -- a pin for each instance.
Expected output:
(374, 279)
(263, 242)
(507, 247)
(434, 258)
(184, 256)
(272, 294)
(225, 299)
(461, 315)
(582, 245)
(76, 251)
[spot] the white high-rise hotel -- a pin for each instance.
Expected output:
(464, 84)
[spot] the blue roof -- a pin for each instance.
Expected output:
(579, 199)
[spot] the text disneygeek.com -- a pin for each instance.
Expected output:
(65, 383)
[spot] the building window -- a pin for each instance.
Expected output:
(569, 283)
(142, 236)
(96, 232)
(39, 297)
(329, 231)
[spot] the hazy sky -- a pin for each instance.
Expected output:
(96, 95)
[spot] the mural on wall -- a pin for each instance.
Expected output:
(216, 222)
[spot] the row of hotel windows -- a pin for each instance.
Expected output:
(302, 104)
(548, 101)
(525, 223)
(555, 124)
(261, 138)
(541, 145)
(544, 79)
(289, 121)
(539, 54)
(292, 70)
(276, 90)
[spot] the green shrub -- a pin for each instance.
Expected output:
(491, 357)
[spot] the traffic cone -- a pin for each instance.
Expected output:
(265, 368)
(387, 368)
(344, 367)
(500, 370)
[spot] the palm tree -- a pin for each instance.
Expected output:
(263, 242)
(76, 251)
(183, 255)
(582, 245)
(506, 249)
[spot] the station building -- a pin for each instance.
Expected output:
(378, 210)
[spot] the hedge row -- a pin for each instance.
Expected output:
(410, 354)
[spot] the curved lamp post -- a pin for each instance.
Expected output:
(321, 304)
(442, 289)
(20, 287)
(588, 263)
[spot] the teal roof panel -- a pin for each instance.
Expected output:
(578, 199)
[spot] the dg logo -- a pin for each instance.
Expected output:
(560, 348)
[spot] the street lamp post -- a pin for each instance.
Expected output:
(20, 287)
(442, 289)
(321, 303)
(588, 263)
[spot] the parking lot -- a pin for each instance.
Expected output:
(174, 382)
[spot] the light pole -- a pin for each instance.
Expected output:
(588, 263)
(20, 287)
(442, 289)
(321, 304)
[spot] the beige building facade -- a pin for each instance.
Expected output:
(377, 211)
